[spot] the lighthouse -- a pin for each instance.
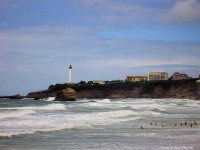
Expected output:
(70, 74)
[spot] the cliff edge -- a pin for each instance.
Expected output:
(186, 89)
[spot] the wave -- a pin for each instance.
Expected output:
(150, 106)
(46, 107)
(151, 113)
(50, 107)
(104, 101)
(12, 114)
(43, 123)
(49, 99)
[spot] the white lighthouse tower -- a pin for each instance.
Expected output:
(70, 74)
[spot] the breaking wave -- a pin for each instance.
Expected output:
(43, 123)
(46, 107)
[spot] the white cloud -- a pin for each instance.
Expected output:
(184, 11)
(42, 53)
(119, 10)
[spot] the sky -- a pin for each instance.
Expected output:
(102, 39)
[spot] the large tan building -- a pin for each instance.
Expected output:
(136, 78)
(156, 76)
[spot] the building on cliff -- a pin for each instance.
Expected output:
(100, 82)
(156, 76)
(179, 76)
(136, 78)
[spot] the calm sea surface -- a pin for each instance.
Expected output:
(102, 124)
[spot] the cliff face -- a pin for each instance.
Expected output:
(158, 92)
(41, 94)
(67, 94)
(172, 89)
(188, 89)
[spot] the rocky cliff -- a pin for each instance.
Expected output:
(188, 89)
(67, 94)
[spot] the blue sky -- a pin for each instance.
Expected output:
(102, 39)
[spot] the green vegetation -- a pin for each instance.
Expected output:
(146, 86)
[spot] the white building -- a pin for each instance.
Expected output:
(101, 82)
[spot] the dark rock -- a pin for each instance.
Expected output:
(17, 96)
(36, 98)
(41, 94)
(67, 94)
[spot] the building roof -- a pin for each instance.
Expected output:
(180, 74)
(136, 76)
(157, 72)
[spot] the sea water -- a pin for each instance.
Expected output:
(100, 124)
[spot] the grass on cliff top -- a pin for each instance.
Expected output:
(145, 85)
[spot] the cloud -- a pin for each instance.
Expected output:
(120, 10)
(42, 53)
(184, 11)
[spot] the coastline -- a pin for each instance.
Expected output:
(182, 89)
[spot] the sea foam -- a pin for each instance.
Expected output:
(15, 113)
(44, 123)
(45, 107)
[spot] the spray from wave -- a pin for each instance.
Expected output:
(43, 123)
(46, 107)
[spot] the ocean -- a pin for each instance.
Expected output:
(100, 124)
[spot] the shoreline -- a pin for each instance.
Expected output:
(181, 89)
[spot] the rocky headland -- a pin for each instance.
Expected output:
(185, 89)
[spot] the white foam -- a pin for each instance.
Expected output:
(104, 101)
(95, 105)
(50, 99)
(150, 106)
(50, 107)
(46, 107)
(17, 113)
(138, 105)
(151, 113)
(34, 123)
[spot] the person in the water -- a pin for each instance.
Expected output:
(195, 123)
